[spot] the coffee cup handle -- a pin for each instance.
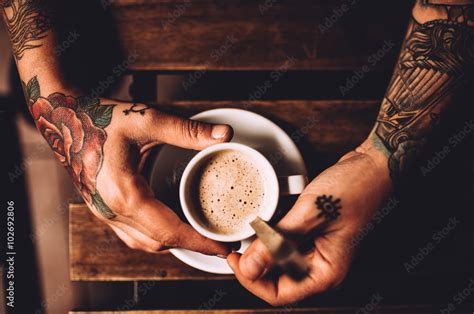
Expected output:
(292, 185)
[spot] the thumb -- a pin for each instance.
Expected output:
(190, 134)
(190, 239)
(256, 260)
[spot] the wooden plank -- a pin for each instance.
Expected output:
(252, 35)
(97, 254)
(419, 309)
(322, 129)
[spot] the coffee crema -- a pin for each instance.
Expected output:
(230, 190)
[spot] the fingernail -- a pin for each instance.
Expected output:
(221, 256)
(253, 267)
(219, 131)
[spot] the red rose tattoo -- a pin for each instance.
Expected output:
(73, 138)
(74, 129)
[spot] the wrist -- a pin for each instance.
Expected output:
(379, 158)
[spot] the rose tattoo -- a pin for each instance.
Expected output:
(74, 129)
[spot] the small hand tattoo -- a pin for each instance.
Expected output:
(137, 108)
(328, 207)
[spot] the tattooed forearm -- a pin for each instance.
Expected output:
(28, 22)
(328, 207)
(74, 128)
(136, 108)
(436, 58)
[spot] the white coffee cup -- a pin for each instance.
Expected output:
(274, 187)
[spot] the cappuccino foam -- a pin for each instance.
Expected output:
(230, 192)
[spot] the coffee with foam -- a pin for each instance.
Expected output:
(230, 191)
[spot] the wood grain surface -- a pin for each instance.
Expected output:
(97, 254)
(256, 35)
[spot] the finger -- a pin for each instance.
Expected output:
(186, 133)
(264, 289)
(284, 290)
(161, 224)
(278, 291)
(136, 238)
(300, 220)
(131, 199)
(256, 260)
(128, 240)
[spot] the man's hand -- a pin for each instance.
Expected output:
(103, 145)
(330, 212)
(434, 70)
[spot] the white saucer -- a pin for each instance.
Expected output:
(250, 129)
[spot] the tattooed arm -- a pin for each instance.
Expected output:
(434, 66)
(103, 143)
(433, 69)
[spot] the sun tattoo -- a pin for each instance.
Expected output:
(328, 207)
(74, 128)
